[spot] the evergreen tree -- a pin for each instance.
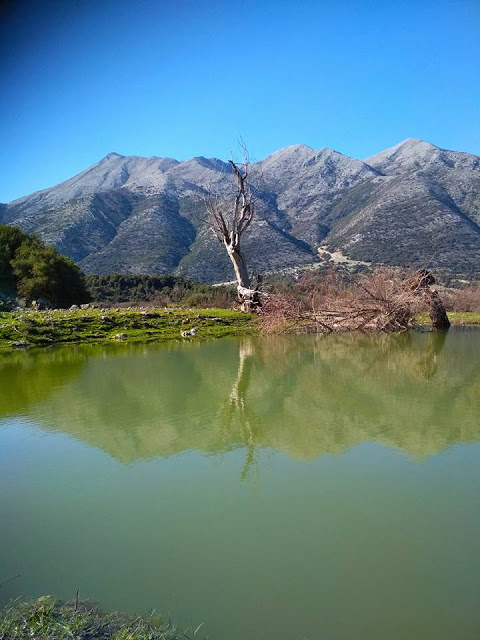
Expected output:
(39, 270)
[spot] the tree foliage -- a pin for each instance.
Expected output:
(11, 239)
(39, 270)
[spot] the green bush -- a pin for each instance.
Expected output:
(39, 271)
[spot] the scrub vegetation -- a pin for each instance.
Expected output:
(162, 291)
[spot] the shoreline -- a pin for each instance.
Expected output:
(49, 617)
(26, 329)
(29, 328)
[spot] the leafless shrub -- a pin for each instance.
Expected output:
(382, 301)
(466, 299)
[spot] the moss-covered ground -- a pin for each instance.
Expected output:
(41, 328)
(56, 620)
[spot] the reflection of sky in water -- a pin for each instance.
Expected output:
(205, 480)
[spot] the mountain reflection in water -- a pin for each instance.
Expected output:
(304, 396)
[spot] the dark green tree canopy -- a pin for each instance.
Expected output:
(39, 270)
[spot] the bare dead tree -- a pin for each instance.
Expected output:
(229, 220)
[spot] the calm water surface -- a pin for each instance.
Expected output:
(276, 489)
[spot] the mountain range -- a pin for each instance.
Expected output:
(414, 204)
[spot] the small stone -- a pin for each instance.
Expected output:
(41, 304)
(120, 336)
(20, 344)
(74, 307)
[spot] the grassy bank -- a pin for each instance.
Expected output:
(57, 620)
(457, 318)
(41, 328)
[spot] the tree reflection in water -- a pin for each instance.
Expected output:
(304, 396)
(238, 406)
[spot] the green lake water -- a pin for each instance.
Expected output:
(274, 489)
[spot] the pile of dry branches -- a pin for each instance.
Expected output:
(384, 301)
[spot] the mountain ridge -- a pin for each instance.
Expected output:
(407, 205)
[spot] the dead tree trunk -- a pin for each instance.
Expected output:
(239, 263)
(420, 284)
(248, 297)
(229, 221)
(437, 310)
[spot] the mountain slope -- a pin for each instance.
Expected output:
(413, 204)
(423, 210)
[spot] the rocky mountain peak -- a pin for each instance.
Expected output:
(410, 154)
(112, 155)
(294, 153)
(141, 214)
(209, 163)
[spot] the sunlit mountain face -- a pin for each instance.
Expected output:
(411, 205)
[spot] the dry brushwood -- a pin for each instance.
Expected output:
(382, 302)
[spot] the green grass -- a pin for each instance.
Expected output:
(457, 318)
(42, 328)
(57, 620)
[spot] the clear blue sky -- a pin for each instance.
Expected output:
(82, 78)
